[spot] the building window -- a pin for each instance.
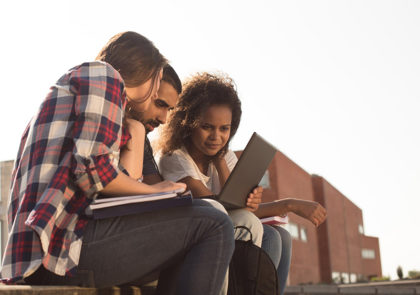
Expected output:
(303, 235)
(297, 232)
(293, 230)
(368, 254)
(361, 229)
(265, 180)
(336, 278)
(345, 278)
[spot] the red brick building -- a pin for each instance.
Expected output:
(337, 251)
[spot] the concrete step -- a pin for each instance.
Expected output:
(68, 290)
(361, 289)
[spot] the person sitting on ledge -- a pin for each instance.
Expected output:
(195, 150)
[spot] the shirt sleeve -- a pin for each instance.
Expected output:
(99, 108)
(231, 159)
(177, 166)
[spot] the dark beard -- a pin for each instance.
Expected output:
(151, 122)
(139, 116)
(132, 114)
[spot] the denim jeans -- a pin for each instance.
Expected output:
(278, 245)
(241, 217)
(197, 240)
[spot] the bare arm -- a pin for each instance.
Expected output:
(131, 157)
(125, 185)
(152, 178)
(222, 169)
(276, 208)
(309, 210)
(197, 188)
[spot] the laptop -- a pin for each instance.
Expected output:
(247, 173)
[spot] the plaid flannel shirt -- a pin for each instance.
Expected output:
(69, 152)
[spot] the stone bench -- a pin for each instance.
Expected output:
(72, 290)
(352, 290)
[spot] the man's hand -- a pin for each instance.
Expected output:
(167, 185)
(254, 199)
(310, 210)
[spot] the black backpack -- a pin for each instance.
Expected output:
(251, 271)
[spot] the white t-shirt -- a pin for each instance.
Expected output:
(180, 165)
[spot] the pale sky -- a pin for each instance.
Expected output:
(333, 84)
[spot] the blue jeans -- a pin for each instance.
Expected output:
(277, 242)
(242, 217)
(195, 240)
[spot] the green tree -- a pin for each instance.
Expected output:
(400, 272)
(414, 274)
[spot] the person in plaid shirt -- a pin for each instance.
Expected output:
(75, 147)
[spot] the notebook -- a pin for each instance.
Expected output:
(275, 220)
(127, 205)
(247, 173)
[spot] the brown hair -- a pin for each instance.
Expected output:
(199, 93)
(133, 56)
(171, 77)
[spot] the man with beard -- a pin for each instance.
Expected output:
(157, 114)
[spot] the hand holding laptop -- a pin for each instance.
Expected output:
(247, 173)
(254, 199)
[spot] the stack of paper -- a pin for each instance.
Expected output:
(275, 220)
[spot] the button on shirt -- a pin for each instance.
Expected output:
(68, 152)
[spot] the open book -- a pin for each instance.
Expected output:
(105, 207)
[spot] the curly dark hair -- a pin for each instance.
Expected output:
(200, 92)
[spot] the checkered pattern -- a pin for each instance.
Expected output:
(69, 152)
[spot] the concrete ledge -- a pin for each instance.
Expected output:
(67, 290)
(293, 290)
(290, 290)
(390, 288)
(320, 289)
(395, 290)
(401, 283)
(358, 290)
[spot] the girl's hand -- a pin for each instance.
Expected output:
(219, 159)
(254, 199)
(167, 186)
(309, 210)
(221, 154)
